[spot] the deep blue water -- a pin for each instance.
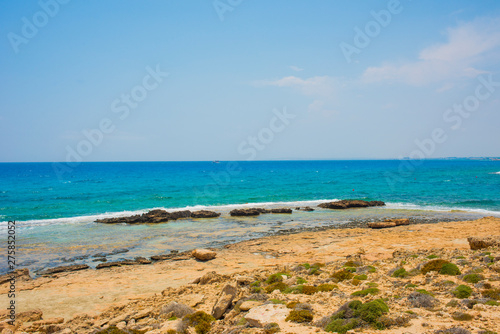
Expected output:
(33, 191)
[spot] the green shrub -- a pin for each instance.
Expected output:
(462, 291)
(300, 280)
(492, 303)
(432, 256)
(411, 285)
(425, 292)
(473, 278)
(342, 275)
(433, 265)
(341, 326)
(371, 311)
(352, 264)
(461, 316)
(365, 292)
(309, 289)
(401, 273)
(449, 269)
(200, 320)
(491, 293)
(300, 316)
(274, 278)
(372, 269)
(361, 277)
(327, 287)
(271, 328)
(276, 286)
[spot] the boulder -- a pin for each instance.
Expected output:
(265, 314)
(204, 254)
(249, 304)
(180, 214)
(224, 301)
(483, 242)
(208, 278)
(246, 212)
(205, 214)
(350, 203)
(63, 269)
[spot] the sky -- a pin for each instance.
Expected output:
(123, 80)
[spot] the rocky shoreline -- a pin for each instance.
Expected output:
(433, 278)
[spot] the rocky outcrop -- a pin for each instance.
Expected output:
(281, 210)
(246, 212)
(480, 243)
(350, 203)
(389, 223)
(262, 315)
(63, 269)
(205, 214)
(204, 254)
(158, 216)
(210, 277)
(224, 301)
(307, 208)
(18, 274)
(28, 316)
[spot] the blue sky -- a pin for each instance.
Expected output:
(67, 67)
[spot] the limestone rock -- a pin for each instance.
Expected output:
(32, 315)
(204, 254)
(483, 242)
(19, 274)
(249, 304)
(210, 277)
(245, 212)
(281, 210)
(224, 301)
(63, 269)
(262, 315)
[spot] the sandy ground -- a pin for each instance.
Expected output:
(92, 291)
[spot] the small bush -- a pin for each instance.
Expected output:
(361, 277)
(473, 278)
(341, 326)
(274, 278)
(200, 320)
(355, 282)
(292, 304)
(365, 292)
(327, 287)
(352, 264)
(411, 285)
(461, 316)
(401, 273)
(491, 293)
(276, 286)
(425, 292)
(433, 265)
(342, 275)
(432, 256)
(300, 316)
(492, 303)
(271, 328)
(309, 289)
(421, 300)
(452, 330)
(300, 280)
(462, 291)
(449, 269)
(371, 311)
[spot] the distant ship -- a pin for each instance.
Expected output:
(215, 161)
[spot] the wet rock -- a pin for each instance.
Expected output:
(180, 214)
(347, 204)
(281, 210)
(142, 260)
(18, 274)
(480, 243)
(377, 225)
(245, 212)
(204, 254)
(205, 214)
(262, 315)
(224, 301)
(152, 217)
(63, 269)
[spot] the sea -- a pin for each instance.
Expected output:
(55, 209)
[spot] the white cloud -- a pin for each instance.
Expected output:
(296, 68)
(321, 88)
(466, 47)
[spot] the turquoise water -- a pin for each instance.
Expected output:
(56, 214)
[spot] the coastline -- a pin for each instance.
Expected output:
(69, 294)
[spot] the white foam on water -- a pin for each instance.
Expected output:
(438, 208)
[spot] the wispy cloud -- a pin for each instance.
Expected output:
(296, 68)
(460, 56)
(321, 88)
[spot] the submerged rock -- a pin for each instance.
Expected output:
(246, 212)
(350, 203)
(281, 210)
(62, 269)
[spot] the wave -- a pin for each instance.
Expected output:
(495, 173)
(228, 207)
(439, 208)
